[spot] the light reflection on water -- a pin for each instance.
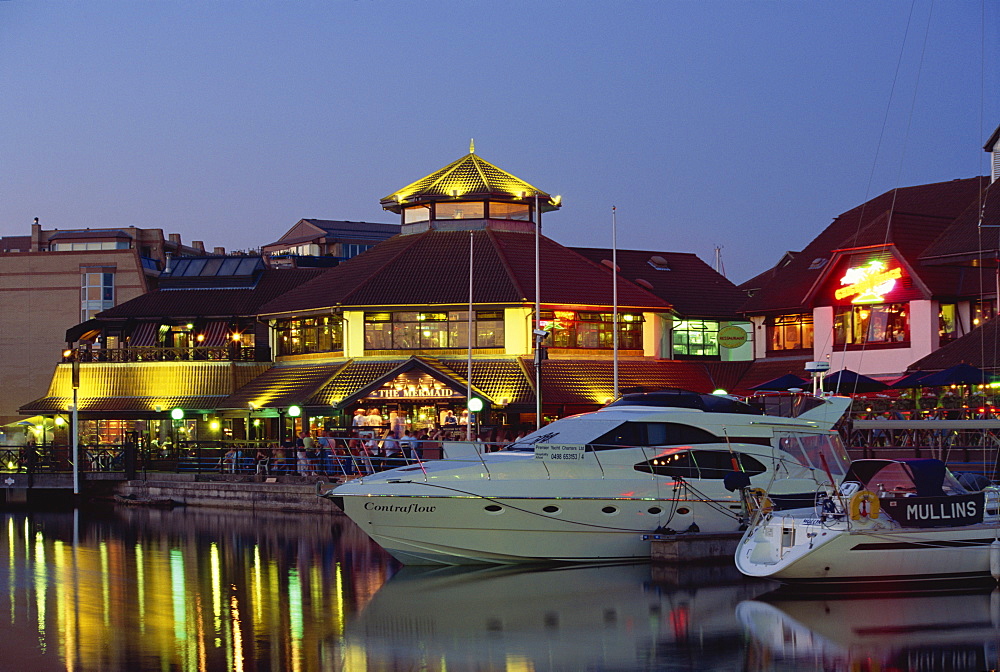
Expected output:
(190, 589)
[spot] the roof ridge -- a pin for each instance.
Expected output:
(502, 254)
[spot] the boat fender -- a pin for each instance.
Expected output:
(757, 500)
(995, 559)
(863, 504)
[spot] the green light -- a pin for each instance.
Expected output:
(294, 411)
(720, 392)
(177, 414)
(475, 405)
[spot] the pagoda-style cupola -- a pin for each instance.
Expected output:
(469, 193)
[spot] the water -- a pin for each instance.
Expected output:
(196, 589)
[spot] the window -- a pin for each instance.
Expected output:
(417, 213)
(518, 211)
(947, 324)
(791, 332)
(97, 292)
(90, 246)
(349, 250)
(882, 323)
(713, 464)
(982, 311)
(412, 330)
(696, 338)
(585, 329)
(651, 434)
(462, 210)
(307, 335)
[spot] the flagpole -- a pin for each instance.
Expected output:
(538, 319)
(468, 377)
(614, 292)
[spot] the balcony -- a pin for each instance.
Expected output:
(225, 353)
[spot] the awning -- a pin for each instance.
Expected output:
(139, 387)
(144, 334)
(215, 333)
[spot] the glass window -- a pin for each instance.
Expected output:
(695, 338)
(417, 213)
(651, 434)
(947, 324)
(518, 211)
(714, 464)
(460, 210)
(791, 332)
(884, 323)
(588, 329)
(97, 292)
(411, 330)
(302, 336)
(982, 311)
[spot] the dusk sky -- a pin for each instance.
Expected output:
(745, 125)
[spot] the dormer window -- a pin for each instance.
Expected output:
(417, 213)
(817, 263)
(460, 210)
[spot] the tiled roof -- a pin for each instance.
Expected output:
(432, 268)
(354, 376)
(592, 382)
(469, 177)
(764, 370)
(980, 347)
(122, 404)
(283, 386)
(965, 240)
(921, 214)
(213, 302)
(690, 285)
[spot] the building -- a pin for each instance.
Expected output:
(413, 325)
(53, 279)
(315, 242)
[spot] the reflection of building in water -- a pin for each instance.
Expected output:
(192, 590)
(607, 617)
(919, 633)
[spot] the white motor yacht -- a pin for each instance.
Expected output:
(892, 522)
(601, 485)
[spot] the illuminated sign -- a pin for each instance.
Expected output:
(732, 336)
(414, 393)
(869, 283)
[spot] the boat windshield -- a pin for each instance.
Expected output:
(578, 430)
(811, 449)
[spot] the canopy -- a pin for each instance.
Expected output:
(914, 379)
(781, 383)
(925, 476)
(850, 382)
(960, 374)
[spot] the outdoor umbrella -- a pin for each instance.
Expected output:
(849, 382)
(781, 383)
(914, 379)
(960, 374)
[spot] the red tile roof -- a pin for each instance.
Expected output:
(214, 302)
(690, 285)
(432, 268)
(921, 213)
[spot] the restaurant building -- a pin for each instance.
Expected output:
(413, 324)
(885, 285)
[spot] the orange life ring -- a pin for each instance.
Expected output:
(757, 500)
(863, 504)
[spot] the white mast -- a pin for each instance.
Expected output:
(614, 292)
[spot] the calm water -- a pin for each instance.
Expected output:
(190, 589)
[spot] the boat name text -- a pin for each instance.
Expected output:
(399, 508)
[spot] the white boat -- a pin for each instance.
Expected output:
(891, 522)
(600, 485)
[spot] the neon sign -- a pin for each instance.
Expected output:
(869, 283)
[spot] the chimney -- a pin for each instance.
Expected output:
(36, 236)
(219, 250)
(166, 264)
(175, 238)
(198, 245)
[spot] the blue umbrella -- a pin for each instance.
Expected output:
(850, 382)
(914, 379)
(960, 374)
(781, 383)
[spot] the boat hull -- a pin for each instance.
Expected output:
(838, 558)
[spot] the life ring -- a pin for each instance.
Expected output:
(757, 500)
(863, 504)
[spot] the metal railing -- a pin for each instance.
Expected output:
(227, 353)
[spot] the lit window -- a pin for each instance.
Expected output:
(460, 210)
(696, 338)
(423, 331)
(791, 332)
(880, 323)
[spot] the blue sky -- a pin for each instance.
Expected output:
(747, 125)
